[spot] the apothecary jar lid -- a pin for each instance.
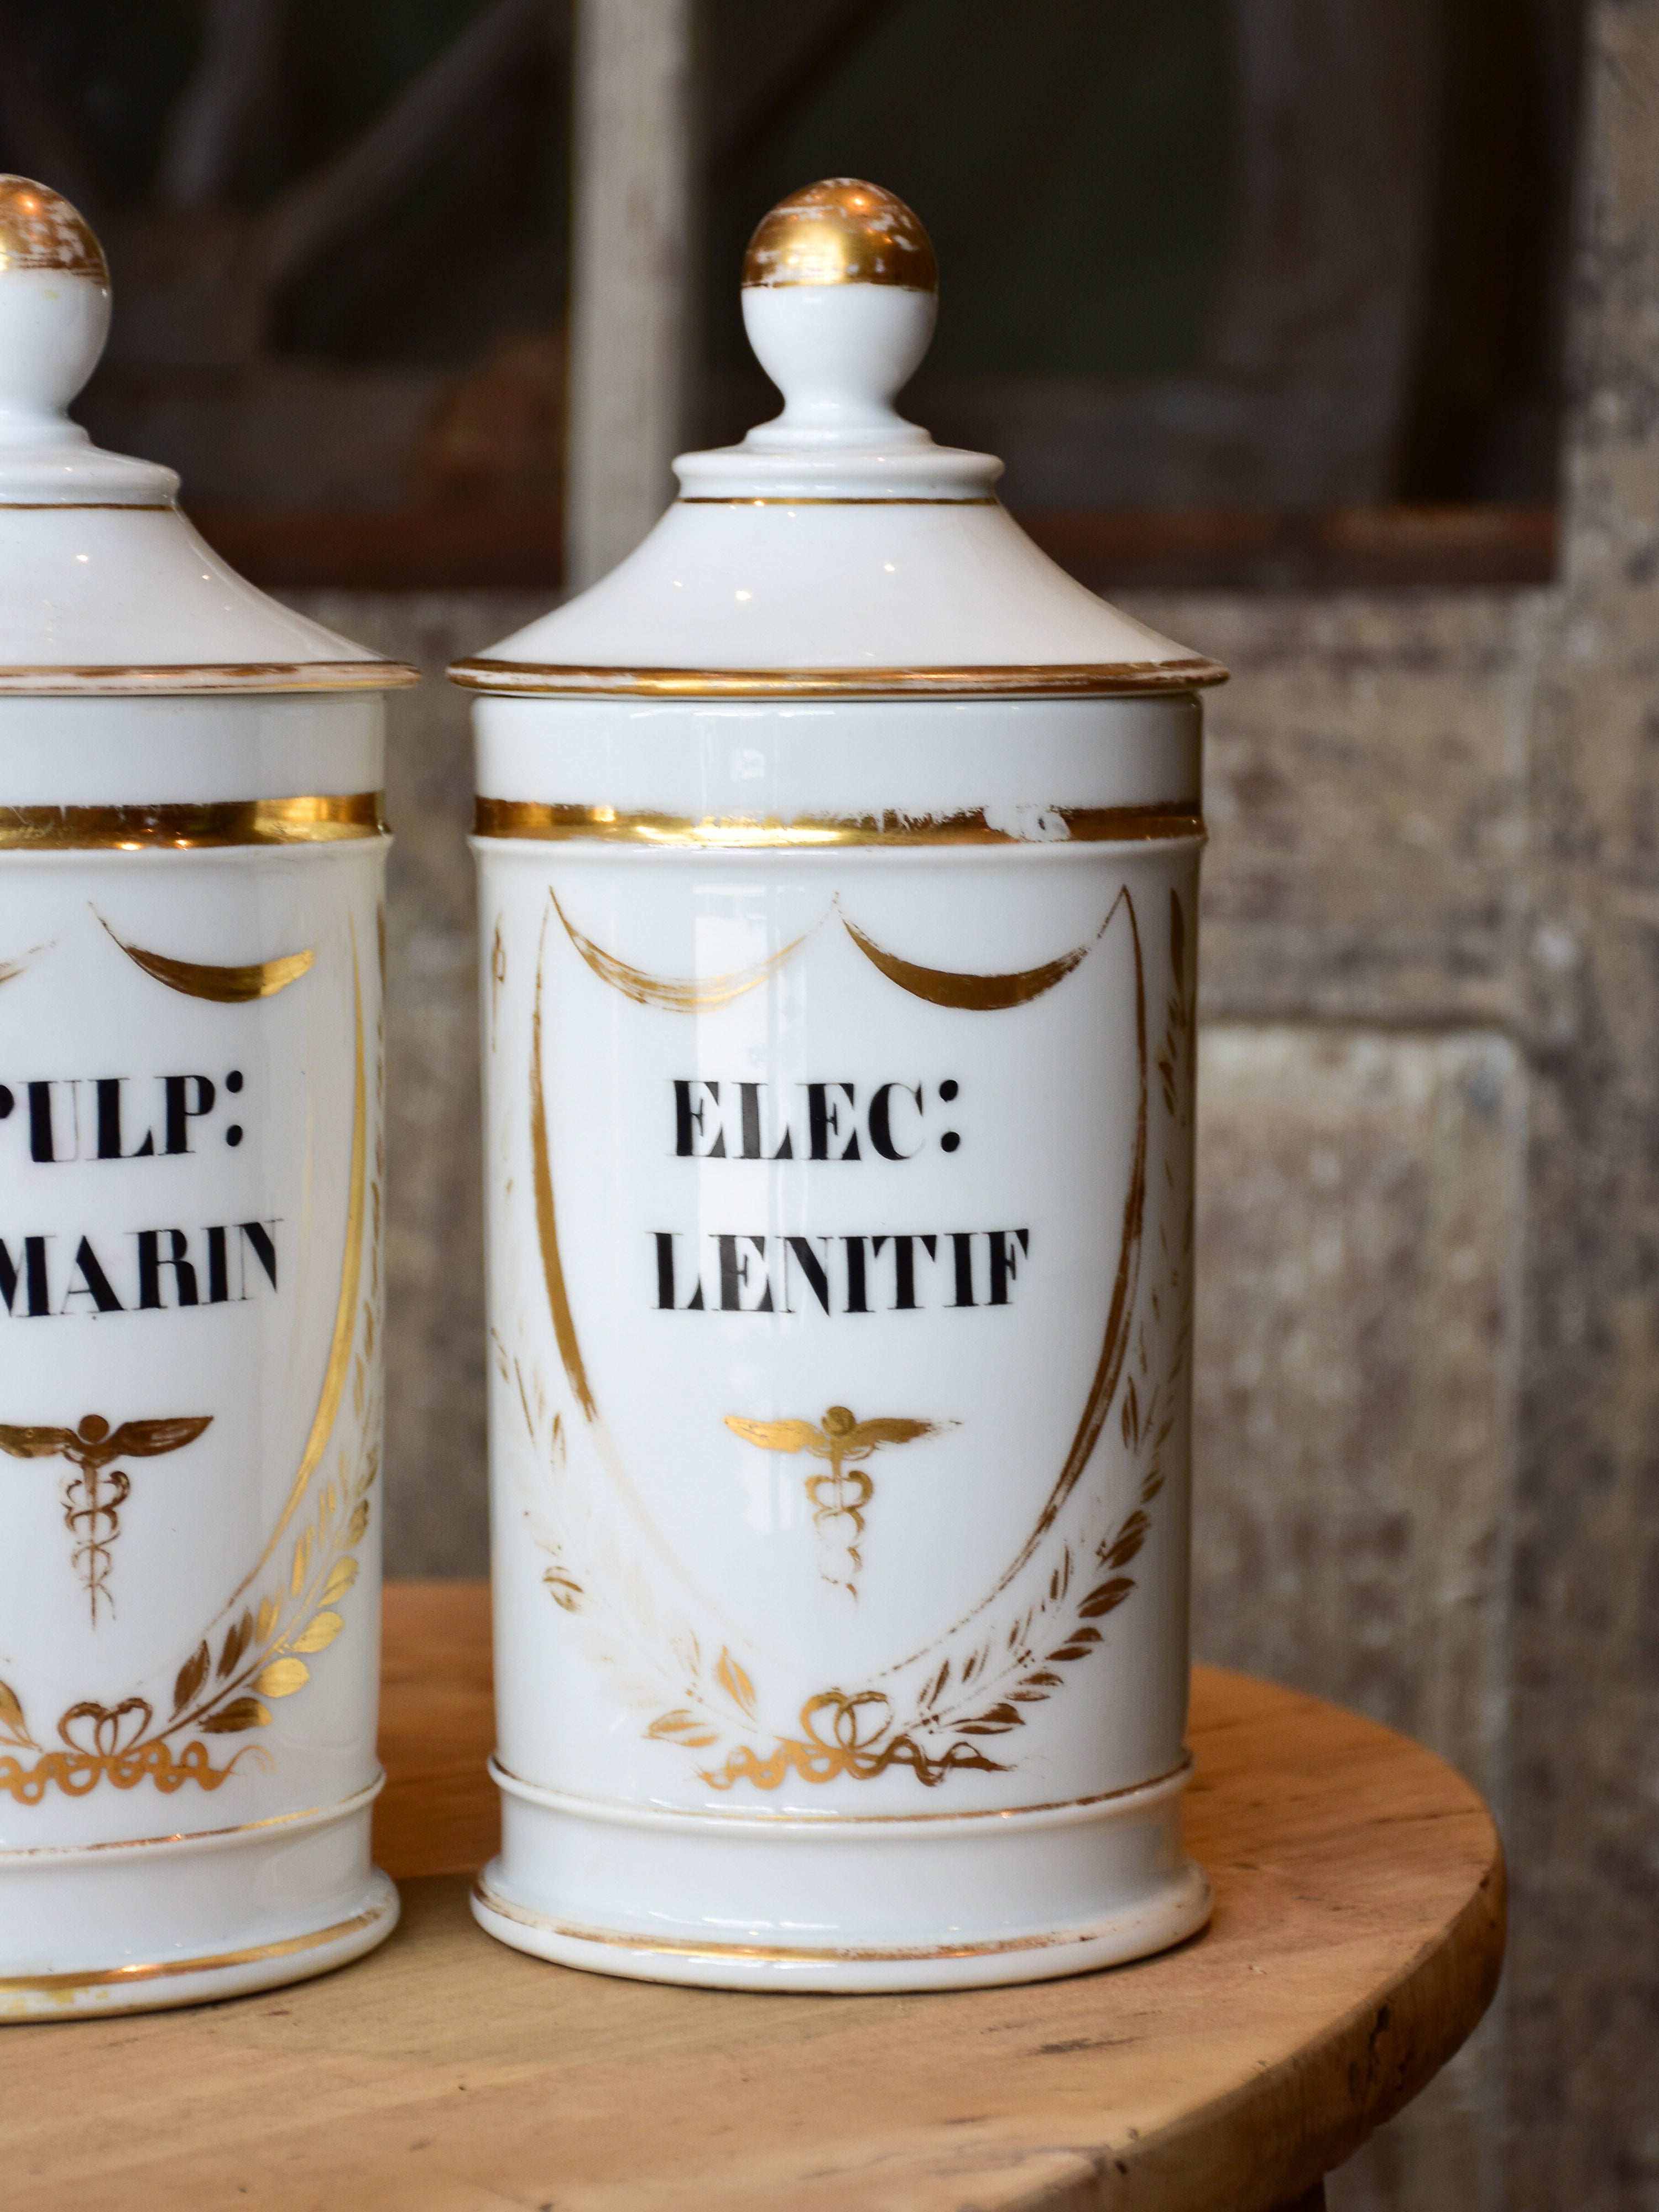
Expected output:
(104, 586)
(837, 551)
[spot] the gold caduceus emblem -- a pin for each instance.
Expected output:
(846, 1490)
(94, 1494)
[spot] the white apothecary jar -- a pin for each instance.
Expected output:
(838, 862)
(192, 863)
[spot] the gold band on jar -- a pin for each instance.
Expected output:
(1053, 825)
(165, 1969)
(317, 819)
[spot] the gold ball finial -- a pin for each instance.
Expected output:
(841, 232)
(38, 230)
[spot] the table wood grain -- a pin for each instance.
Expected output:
(1357, 1940)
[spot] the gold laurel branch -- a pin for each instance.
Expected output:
(1146, 1431)
(263, 1652)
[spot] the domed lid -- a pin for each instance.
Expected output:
(104, 586)
(837, 551)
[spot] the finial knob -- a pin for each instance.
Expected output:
(840, 293)
(842, 231)
(54, 312)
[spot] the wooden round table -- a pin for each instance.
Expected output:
(1357, 1936)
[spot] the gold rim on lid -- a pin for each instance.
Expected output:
(50, 680)
(1191, 673)
(842, 231)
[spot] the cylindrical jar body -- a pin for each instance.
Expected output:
(839, 1079)
(190, 1291)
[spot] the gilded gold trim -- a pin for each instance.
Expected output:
(38, 230)
(1114, 1345)
(164, 1969)
(939, 987)
(842, 231)
(942, 987)
(538, 819)
(359, 1800)
(699, 499)
(345, 1313)
(325, 818)
(547, 1227)
(46, 679)
(678, 994)
(782, 1954)
(228, 987)
(559, 1800)
(481, 672)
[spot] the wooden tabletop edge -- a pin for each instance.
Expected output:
(1329, 2097)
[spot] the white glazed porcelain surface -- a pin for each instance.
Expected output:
(1015, 760)
(729, 586)
(837, 535)
(91, 752)
(85, 587)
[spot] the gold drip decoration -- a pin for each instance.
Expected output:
(679, 994)
(227, 987)
(939, 987)
(964, 992)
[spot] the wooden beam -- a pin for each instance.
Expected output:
(631, 247)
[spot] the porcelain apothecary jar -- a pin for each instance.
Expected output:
(192, 859)
(838, 858)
